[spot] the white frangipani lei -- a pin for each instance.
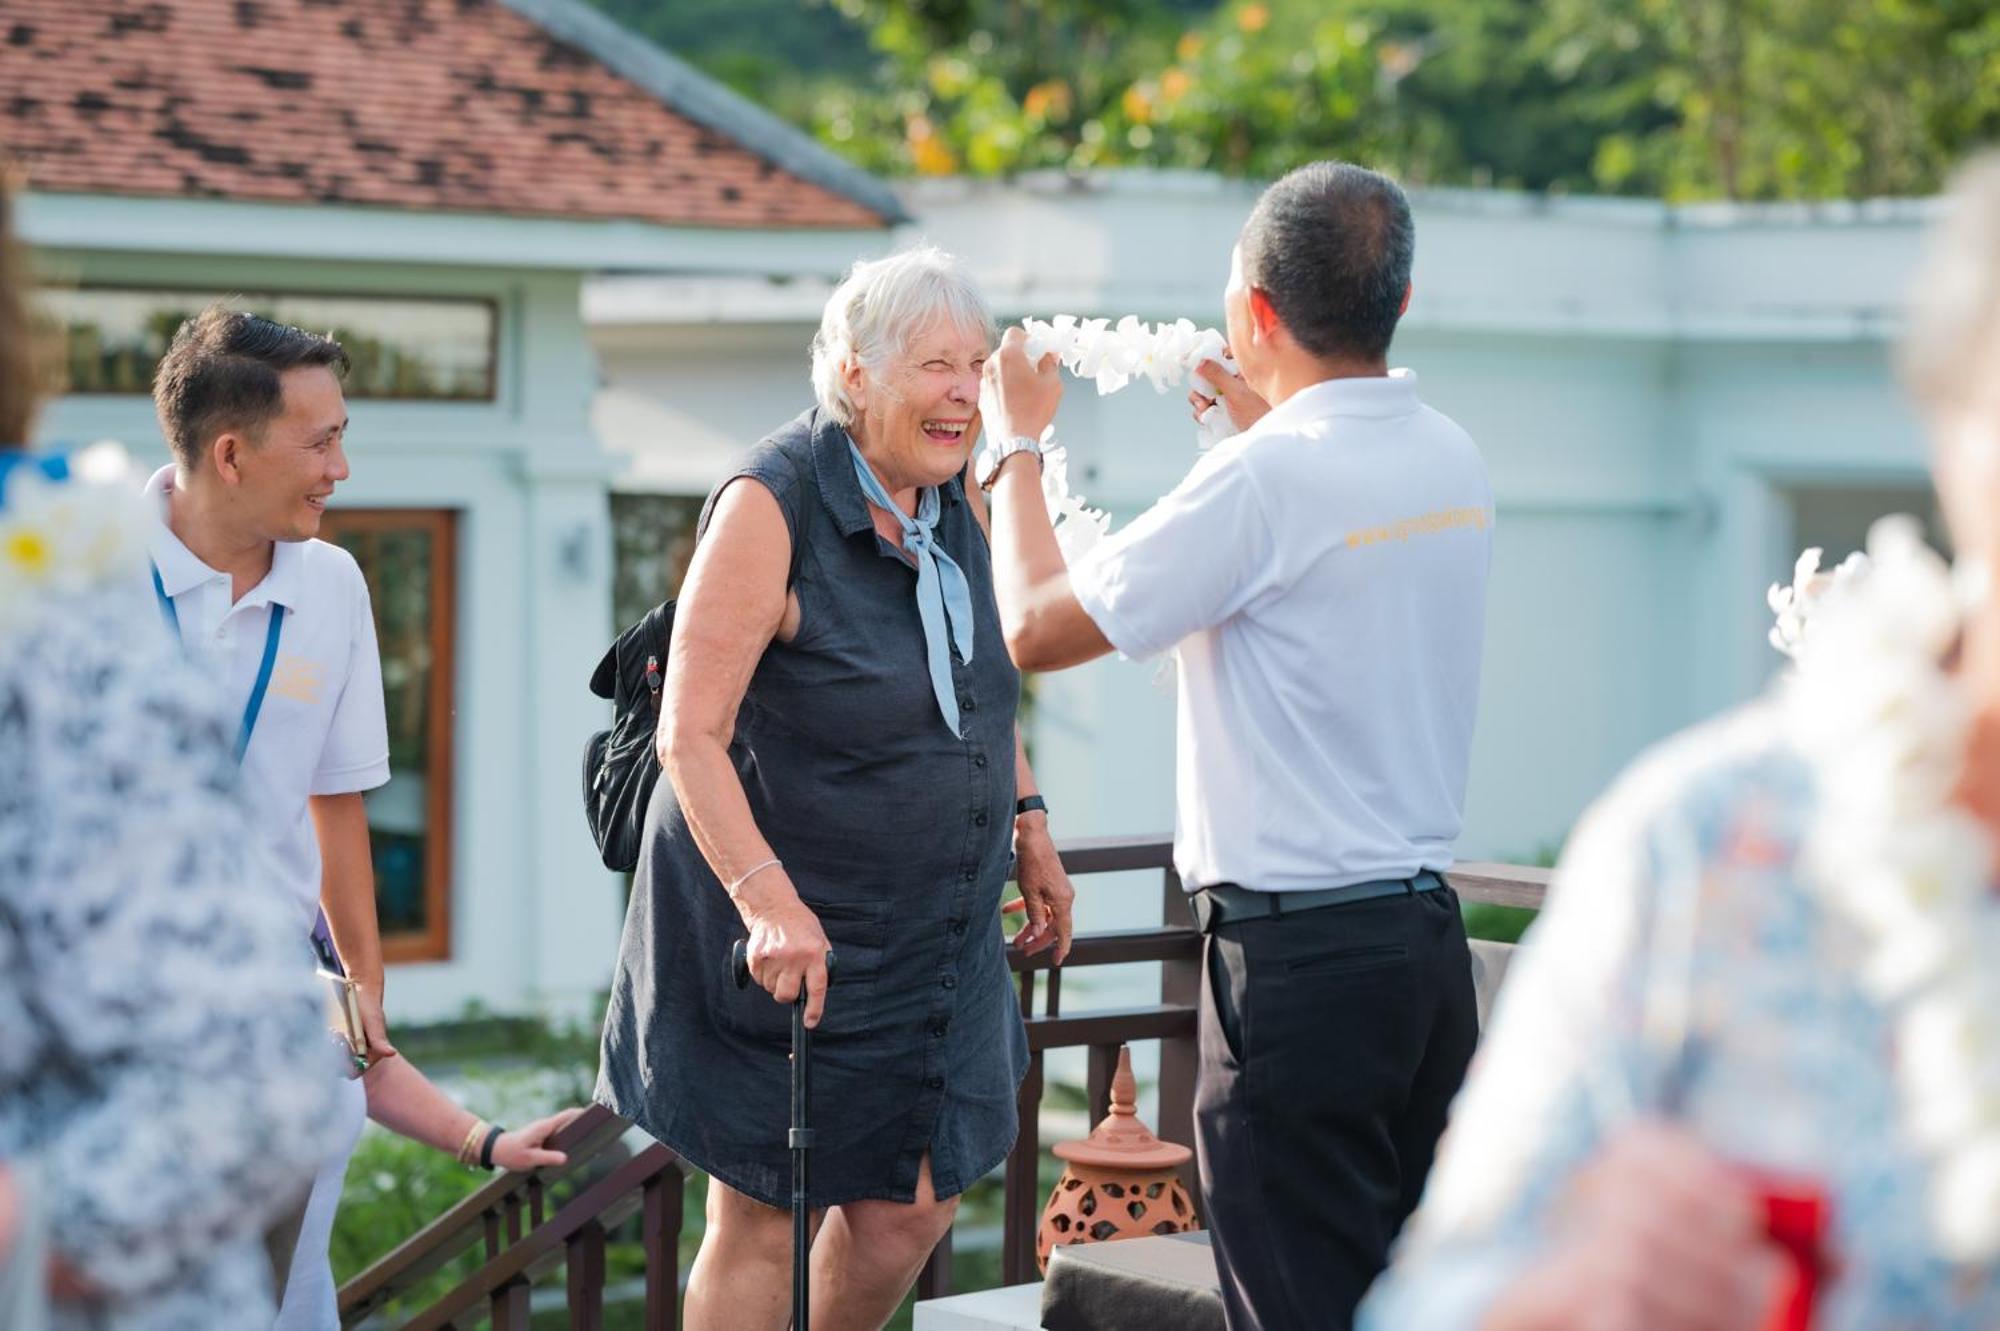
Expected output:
(1079, 527)
(1165, 355)
(1115, 355)
(1883, 726)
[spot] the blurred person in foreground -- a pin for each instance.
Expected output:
(1327, 686)
(1765, 985)
(166, 1074)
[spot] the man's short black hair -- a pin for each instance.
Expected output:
(1330, 245)
(221, 373)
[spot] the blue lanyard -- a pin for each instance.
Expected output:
(263, 684)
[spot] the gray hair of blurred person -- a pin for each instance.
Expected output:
(879, 307)
(1947, 355)
(1950, 353)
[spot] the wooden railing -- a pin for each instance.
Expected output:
(651, 1181)
(523, 1243)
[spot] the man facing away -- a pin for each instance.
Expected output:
(1321, 581)
(254, 414)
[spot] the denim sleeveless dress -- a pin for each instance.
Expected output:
(897, 833)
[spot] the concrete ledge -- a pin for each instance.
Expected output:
(1014, 1308)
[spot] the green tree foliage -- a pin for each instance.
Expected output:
(1772, 99)
(1753, 99)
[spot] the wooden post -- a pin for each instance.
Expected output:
(511, 1309)
(584, 1269)
(1017, 1252)
(1103, 1067)
(514, 1219)
(934, 1281)
(660, 1206)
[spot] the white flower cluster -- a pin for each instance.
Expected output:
(1078, 526)
(1115, 355)
(61, 537)
(1884, 728)
(1164, 355)
(1794, 605)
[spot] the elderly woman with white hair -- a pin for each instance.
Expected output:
(845, 775)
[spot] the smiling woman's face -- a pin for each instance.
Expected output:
(915, 418)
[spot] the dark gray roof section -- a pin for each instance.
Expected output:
(699, 97)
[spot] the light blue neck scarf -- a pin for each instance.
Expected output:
(942, 593)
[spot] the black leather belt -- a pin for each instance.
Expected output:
(1226, 903)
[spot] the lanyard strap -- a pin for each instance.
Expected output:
(322, 936)
(264, 669)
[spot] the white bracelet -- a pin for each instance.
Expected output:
(748, 874)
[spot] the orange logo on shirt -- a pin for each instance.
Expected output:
(1427, 524)
(298, 679)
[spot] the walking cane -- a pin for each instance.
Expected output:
(801, 1136)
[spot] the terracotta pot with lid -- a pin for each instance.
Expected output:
(1121, 1182)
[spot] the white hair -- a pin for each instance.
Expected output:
(879, 307)
(1953, 331)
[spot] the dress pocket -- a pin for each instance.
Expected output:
(857, 932)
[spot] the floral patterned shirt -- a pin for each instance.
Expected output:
(1686, 968)
(164, 1061)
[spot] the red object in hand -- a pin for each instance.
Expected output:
(1797, 1216)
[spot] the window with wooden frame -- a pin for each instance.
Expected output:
(410, 559)
(399, 348)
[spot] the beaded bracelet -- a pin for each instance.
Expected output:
(468, 1148)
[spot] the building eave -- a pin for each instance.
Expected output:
(244, 229)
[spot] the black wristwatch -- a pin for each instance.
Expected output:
(1029, 804)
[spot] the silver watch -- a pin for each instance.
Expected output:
(996, 451)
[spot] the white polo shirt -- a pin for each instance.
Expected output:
(1321, 579)
(322, 730)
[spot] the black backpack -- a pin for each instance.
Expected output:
(620, 767)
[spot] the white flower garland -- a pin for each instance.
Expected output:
(1883, 727)
(59, 538)
(1115, 355)
(1794, 605)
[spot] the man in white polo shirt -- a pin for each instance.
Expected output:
(1321, 581)
(254, 414)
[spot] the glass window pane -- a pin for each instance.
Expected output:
(1836, 518)
(406, 559)
(652, 539)
(432, 349)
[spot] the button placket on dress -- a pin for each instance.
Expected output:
(944, 1006)
(954, 931)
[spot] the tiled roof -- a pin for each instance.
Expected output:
(427, 104)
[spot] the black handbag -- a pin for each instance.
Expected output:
(620, 767)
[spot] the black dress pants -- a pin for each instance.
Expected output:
(1332, 1042)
